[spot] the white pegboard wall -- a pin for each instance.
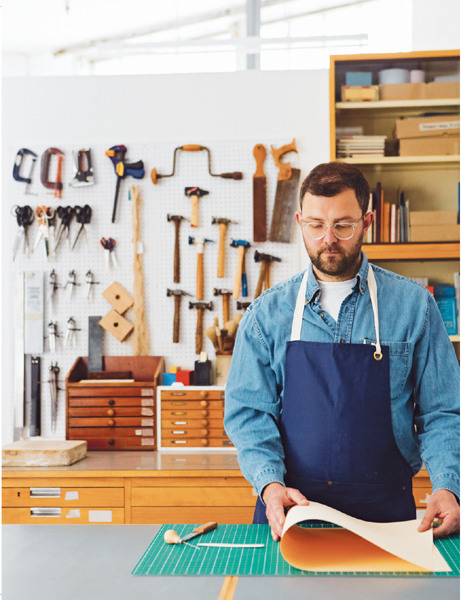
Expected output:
(227, 198)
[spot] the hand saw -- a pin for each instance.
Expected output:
(283, 216)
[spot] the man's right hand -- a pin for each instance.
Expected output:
(276, 498)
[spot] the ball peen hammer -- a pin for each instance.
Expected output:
(200, 307)
(200, 243)
(241, 245)
(177, 223)
(177, 306)
(264, 275)
(194, 193)
(225, 302)
(223, 223)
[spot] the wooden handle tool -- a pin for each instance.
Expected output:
(284, 168)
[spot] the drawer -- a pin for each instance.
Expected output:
(112, 401)
(192, 395)
(192, 514)
(192, 404)
(119, 443)
(56, 496)
(421, 496)
(84, 391)
(198, 496)
(196, 443)
(111, 422)
(82, 433)
(192, 414)
(64, 516)
(193, 423)
(194, 433)
(120, 411)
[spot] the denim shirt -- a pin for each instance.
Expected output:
(424, 372)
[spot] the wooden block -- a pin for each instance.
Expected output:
(43, 453)
(118, 298)
(117, 325)
(174, 369)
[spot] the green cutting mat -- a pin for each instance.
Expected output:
(166, 559)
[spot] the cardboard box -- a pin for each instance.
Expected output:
(359, 93)
(441, 89)
(359, 78)
(433, 217)
(434, 233)
(401, 91)
(440, 125)
(430, 146)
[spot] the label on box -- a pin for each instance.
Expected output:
(73, 514)
(147, 422)
(147, 442)
(100, 516)
(441, 125)
(147, 412)
(149, 402)
(147, 392)
(138, 432)
(148, 432)
(71, 496)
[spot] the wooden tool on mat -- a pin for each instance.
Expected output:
(264, 277)
(223, 223)
(283, 217)
(177, 311)
(177, 224)
(259, 195)
(200, 307)
(171, 537)
(200, 243)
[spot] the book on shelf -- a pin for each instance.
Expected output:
(391, 222)
(357, 146)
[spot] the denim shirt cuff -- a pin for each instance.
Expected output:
(446, 482)
(264, 479)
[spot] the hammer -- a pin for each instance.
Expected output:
(223, 223)
(194, 193)
(241, 245)
(177, 305)
(177, 223)
(243, 305)
(200, 243)
(200, 306)
(225, 302)
(265, 274)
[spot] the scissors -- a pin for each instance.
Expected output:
(83, 216)
(43, 214)
(65, 214)
(24, 217)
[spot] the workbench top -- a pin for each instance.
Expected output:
(95, 561)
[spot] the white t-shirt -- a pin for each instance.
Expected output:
(332, 295)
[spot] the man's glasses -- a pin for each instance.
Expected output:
(317, 231)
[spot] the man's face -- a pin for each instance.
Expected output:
(334, 259)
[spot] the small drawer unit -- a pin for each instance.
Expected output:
(191, 418)
(114, 415)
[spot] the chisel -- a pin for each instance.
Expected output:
(171, 537)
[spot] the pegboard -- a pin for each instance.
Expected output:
(227, 198)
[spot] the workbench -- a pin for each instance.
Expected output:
(141, 487)
(96, 562)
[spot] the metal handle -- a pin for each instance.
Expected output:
(45, 512)
(45, 492)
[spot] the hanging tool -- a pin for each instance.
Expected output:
(25, 217)
(176, 264)
(53, 283)
(225, 302)
(223, 224)
(177, 311)
(194, 193)
(83, 168)
(283, 217)
(65, 214)
(264, 277)
(200, 307)
(43, 214)
(71, 282)
(45, 167)
(140, 339)
(34, 392)
(244, 277)
(241, 245)
(171, 537)
(54, 389)
(122, 169)
(242, 305)
(52, 335)
(70, 333)
(17, 169)
(109, 247)
(259, 195)
(83, 216)
(89, 277)
(200, 243)
(194, 148)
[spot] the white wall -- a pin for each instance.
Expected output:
(436, 24)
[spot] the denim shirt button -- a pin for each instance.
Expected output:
(321, 314)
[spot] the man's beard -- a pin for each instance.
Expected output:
(335, 266)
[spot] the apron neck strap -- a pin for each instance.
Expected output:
(301, 302)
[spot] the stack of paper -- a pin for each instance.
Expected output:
(357, 146)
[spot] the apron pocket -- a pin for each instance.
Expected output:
(399, 359)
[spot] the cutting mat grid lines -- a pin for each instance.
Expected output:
(164, 559)
(227, 198)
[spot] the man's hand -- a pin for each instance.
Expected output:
(277, 497)
(441, 505)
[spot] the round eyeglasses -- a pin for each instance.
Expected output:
(317, 231)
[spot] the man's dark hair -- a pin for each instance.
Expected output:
(330, 179)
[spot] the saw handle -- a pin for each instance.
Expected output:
(205, 528)
(222, 248)
(191, 148)
(259, 152)
(284, 168)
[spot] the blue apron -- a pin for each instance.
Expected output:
(336, 426)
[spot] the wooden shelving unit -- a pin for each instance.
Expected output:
(400, 160)
(386, 104)
(416, 251)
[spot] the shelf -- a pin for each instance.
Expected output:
(397, 104)
(415, 251)
(399, 160)
(454, 338)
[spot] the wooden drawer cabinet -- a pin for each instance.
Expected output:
(63, 516)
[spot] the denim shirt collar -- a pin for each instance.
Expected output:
(360, 280)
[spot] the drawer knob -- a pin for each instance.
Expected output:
(204, 432)
(111, 442)
(204, 403)
(204, 394)
(111, 423)
(204, 442)
(204, 413)
(111, 402)
(204, 422)
(111, 412)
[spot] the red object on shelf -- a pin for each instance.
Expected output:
(186, 377)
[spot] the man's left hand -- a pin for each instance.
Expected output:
(441, 505)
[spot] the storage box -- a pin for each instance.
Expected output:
(442, 89)
(430, 146)
(169, 378)
(185, 376)
(434, 233)
(359, 78)
(433, 217)
(402, 91)
(442, 125)
(359, 93)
